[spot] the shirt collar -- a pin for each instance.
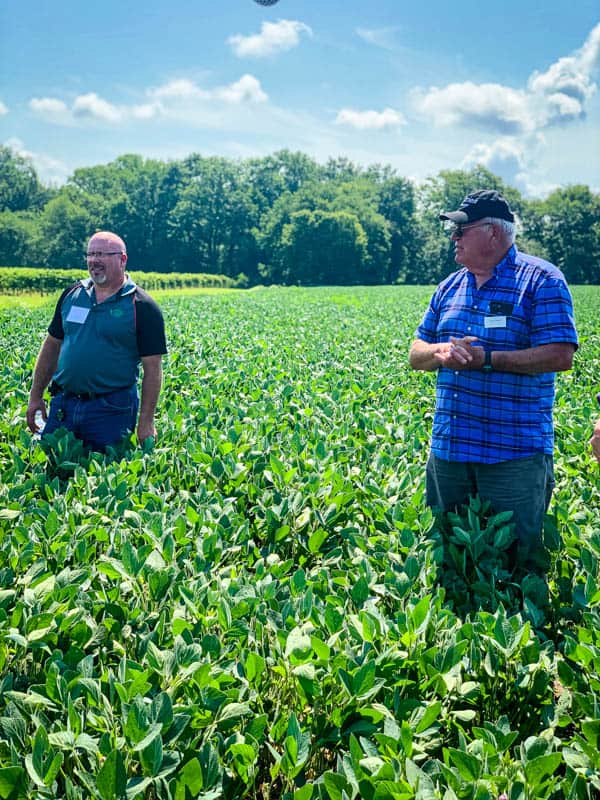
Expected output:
(128, 287)
(507, 261)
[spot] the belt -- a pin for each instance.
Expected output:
(56, 388)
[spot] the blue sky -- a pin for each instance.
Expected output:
(420, 86)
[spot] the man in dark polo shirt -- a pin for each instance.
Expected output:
(496, 331)
(103, 328)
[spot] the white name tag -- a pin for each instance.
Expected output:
(494, 322)
(78, 314)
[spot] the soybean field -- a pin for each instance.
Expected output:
(262, 606)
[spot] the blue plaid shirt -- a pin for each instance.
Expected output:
(498, 416)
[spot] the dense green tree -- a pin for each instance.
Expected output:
(340, 169)
(397, 204)
(567, 225)
(322, 201)
(18, 238)
(278, 219)
(211, 223)
(65, 226)
(361, 197)
(323, 247)
(20, 189)
(130, 189)
(164, 243)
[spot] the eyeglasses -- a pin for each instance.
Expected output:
(458, 231)
(104, 255)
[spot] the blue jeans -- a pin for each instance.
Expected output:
(523, 486)
(99, 422)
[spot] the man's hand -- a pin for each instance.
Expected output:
(595, 441)
(145, 431)
(460, 354)
(35, 405)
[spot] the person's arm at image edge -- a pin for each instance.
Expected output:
(151, 385)
(595, 441)
(45, 367)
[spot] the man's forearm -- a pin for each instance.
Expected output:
(534, 360)
(45, 366)
(151, 385)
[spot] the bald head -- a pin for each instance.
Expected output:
(108, 240)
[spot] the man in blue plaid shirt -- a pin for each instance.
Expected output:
(496, 331)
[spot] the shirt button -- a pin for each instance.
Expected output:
(456, 372)
(469, 328)
(453, 416)
(455, 394)
(474, 307)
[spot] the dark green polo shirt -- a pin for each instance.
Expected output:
(102, 343)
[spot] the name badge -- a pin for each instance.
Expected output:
(78, 314)
(494, 322)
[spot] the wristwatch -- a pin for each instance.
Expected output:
(487, 364)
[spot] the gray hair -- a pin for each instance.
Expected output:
(509, 228)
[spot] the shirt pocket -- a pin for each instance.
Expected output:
(515, 335)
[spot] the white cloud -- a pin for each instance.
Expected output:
(3, 108)
(94, 107)
(555, 96)
(180, 89)
(84, 107)
(487, 105)
(246, 89)
(505, 157)
(183, 99)
(144, 111)
(180, 99)
(370, 120)
(571, 75)
(274, 37)
(569, 83)
(51, 109)
(380, 37)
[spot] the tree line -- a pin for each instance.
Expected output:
(280, 219)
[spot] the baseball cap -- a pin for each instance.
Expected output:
(484, 203)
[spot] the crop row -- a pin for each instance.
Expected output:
(262, 606)
(19, 280)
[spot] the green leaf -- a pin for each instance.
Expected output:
(422, 719)
(162, 709)
(254, 667)
(539, 768)
(152, 734)
(151, 757)
(305, 793)
(189, 780)
(338, 788)
(364, 679)
(298, 643)
(420, 613)
(360, 591)
(111, 780)
(12, 782)
(468, 766)
(316, 540)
